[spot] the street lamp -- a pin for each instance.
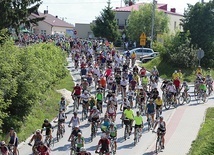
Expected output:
(153, 22)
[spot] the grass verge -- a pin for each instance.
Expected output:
(204, 143)
(47, 109)
(166, 70)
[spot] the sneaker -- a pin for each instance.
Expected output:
(162, 147)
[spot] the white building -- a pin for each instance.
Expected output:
(122, 14)
(51, 25)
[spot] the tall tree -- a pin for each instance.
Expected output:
(106, 25)
(129, 2)
(199, 21)
(16, 12)
(141, 21)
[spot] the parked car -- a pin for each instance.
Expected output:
(148, 57)
(140, 51)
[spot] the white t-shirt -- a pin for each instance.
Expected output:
(75, 121)
(85, 97)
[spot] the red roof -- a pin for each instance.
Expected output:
(53, 20)
(161, 7)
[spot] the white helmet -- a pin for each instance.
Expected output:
(82, 149)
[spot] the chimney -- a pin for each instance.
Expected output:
(45, 11)
(173, 10)
(56, 16)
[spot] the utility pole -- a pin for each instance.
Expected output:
(202, 1)
(153, 22)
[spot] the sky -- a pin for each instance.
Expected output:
(85, 11)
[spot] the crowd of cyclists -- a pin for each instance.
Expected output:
(105, 75)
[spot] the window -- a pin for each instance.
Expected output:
(117, 21)
(174, 25)
(126, 22)
(43, 32)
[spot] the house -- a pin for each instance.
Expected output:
(84, 30)
(122, 14)
(51, 25)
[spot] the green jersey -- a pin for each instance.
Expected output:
(79, 142)
(203, 87)
(112, 131)
(99, 96)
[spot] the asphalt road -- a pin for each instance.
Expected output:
(173, 117)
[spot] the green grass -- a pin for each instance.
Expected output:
(204, 144)
(166, 70)
(47, 109)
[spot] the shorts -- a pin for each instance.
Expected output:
(77, 95)
(158, 106)
(61, 121)
(127, 121)
(161, 131)
(130, 98)
(95, 119)
(111, 114)
(151, 112)
(12, 142)
(85, 102)
(137, 126)
(114, 138)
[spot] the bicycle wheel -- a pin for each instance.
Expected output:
(125, 132)
(188, 99)
(57, 136)
(181, 100)
(167, 105)
(158, 145)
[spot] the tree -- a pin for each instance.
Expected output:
(199, 21)
(106, 25)
(16, 13)
(129, 2)
(141, 21)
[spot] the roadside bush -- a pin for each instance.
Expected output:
(25, 75)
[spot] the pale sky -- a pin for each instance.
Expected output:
(84, 11)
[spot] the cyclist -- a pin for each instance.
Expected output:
(79, 141)
(73, 135)
(150, 108)
(74, 120)
(112, 133)
(199, 71)
(92, 102)
(4, 149)
(106, 123)
(203, 88)
(47, 126)
(13, 140)
(143, 72)
(83, 152)
(111, 111)
(104, 142)
(62, 103)
(77, 92)
(37, 137)
(138, 123)
(175, 75)
(85, 85)
(42, 149)
(133, 83)
(177, 84)
(171, 91)
(131, 95)
(186, 88)
(158, 105)
(129, 114)
(209, 82)
(161, 129)
(94, 115)
(145, 82)
(61, 119)
(84, 98)
(123, 84)
(99, 97)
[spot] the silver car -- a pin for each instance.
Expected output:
(140, 51)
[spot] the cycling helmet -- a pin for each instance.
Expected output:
(161, 117)
(82, 149)
(103, 135)
(38, 131)
(75, 113)
(77, 126)
(184, 82)
(2, 142)
(46, 121)
(111, 124)
(62, 98)
(11, 128)
(94, 107)
(79, 133)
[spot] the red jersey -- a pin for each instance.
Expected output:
(143, 72)
(177, 83)
(77, 90)
(43, 150)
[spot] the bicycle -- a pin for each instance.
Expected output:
(84, 112)
(93, 130)
(150, 124)
(185, 97)
(11, 150)
(49, 142)
(102, 153)
(112, 150)
(73, 149)
(158, 146)
(201, 96)
(60, 131)
(169, 102)
(76, 104)
(127, 130)
(137, 136)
